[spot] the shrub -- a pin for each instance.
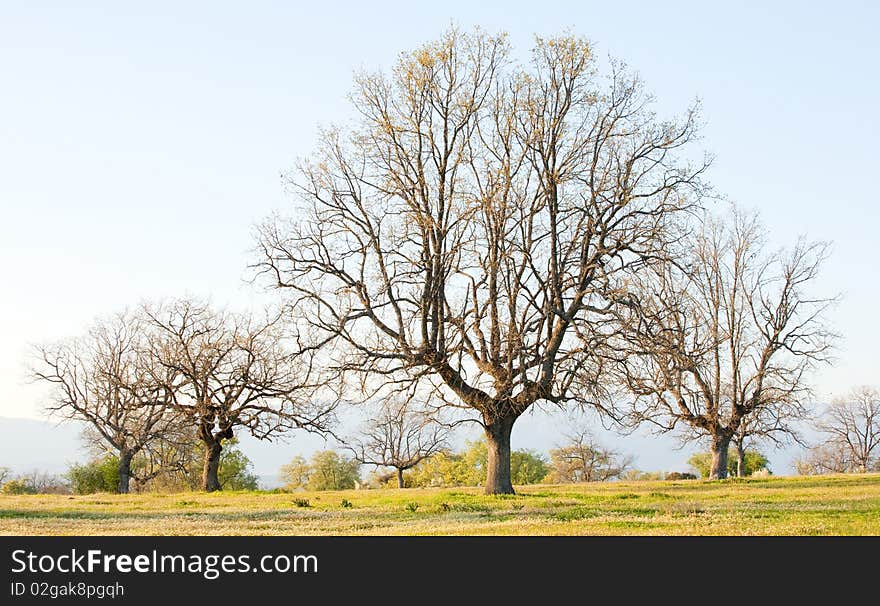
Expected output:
(97, 475)
(18, 486)
(527, 467)
(678, 475)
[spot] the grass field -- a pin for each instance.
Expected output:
(828, 505)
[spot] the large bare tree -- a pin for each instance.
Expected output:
(399, 437)
(105, 379)
(721, 337)
(228, 372)
(468, 233)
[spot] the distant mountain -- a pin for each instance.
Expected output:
(29, 444)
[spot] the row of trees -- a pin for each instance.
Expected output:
(487, 237)
(502, 236)
(582, 459)
(153, 381)
(101, 474)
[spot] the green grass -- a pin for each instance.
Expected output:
(826, 505)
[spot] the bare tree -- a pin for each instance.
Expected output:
(399, 437)
(776, 425)
(468, 234)
(852, 427)
(225, 371)
(724, 335)
(169, 457)
(583, 459)
(105, 380)
(827, 457)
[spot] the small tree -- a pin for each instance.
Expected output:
(328, 470)
(828, 457)
(527, 467)
(400, 438)
(296, 473)
(583, 459)
(446, 468)
(236, 469)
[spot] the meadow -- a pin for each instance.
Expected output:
(816, 505)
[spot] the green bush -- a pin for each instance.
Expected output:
(18, 486)
(326, 470)
(468, 467)
(236, 470)
(527, 467)
(97, 475)
(332, 471)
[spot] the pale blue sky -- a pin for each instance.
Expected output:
(139, 144)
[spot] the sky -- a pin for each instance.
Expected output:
(139, 144)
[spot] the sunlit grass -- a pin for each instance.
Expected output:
(828, 505)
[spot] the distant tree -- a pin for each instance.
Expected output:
(328, 470)
(449, 468)
(527, 467)
(637, 475)
(678, 475)
(723, 332)
(827, 457)
(468, 467)
(446, 468)
(5, 474)
(752, 461)
(851, 426)
(17, 486)
(583, 459)
(36, 482)
(296, 473)
(398, 437)
(105, 379)
(227, 372)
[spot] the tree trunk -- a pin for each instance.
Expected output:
(211, 468)
(740, 461)
(498, 462)
(125, 458)
(720, 444)
(399, 478)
